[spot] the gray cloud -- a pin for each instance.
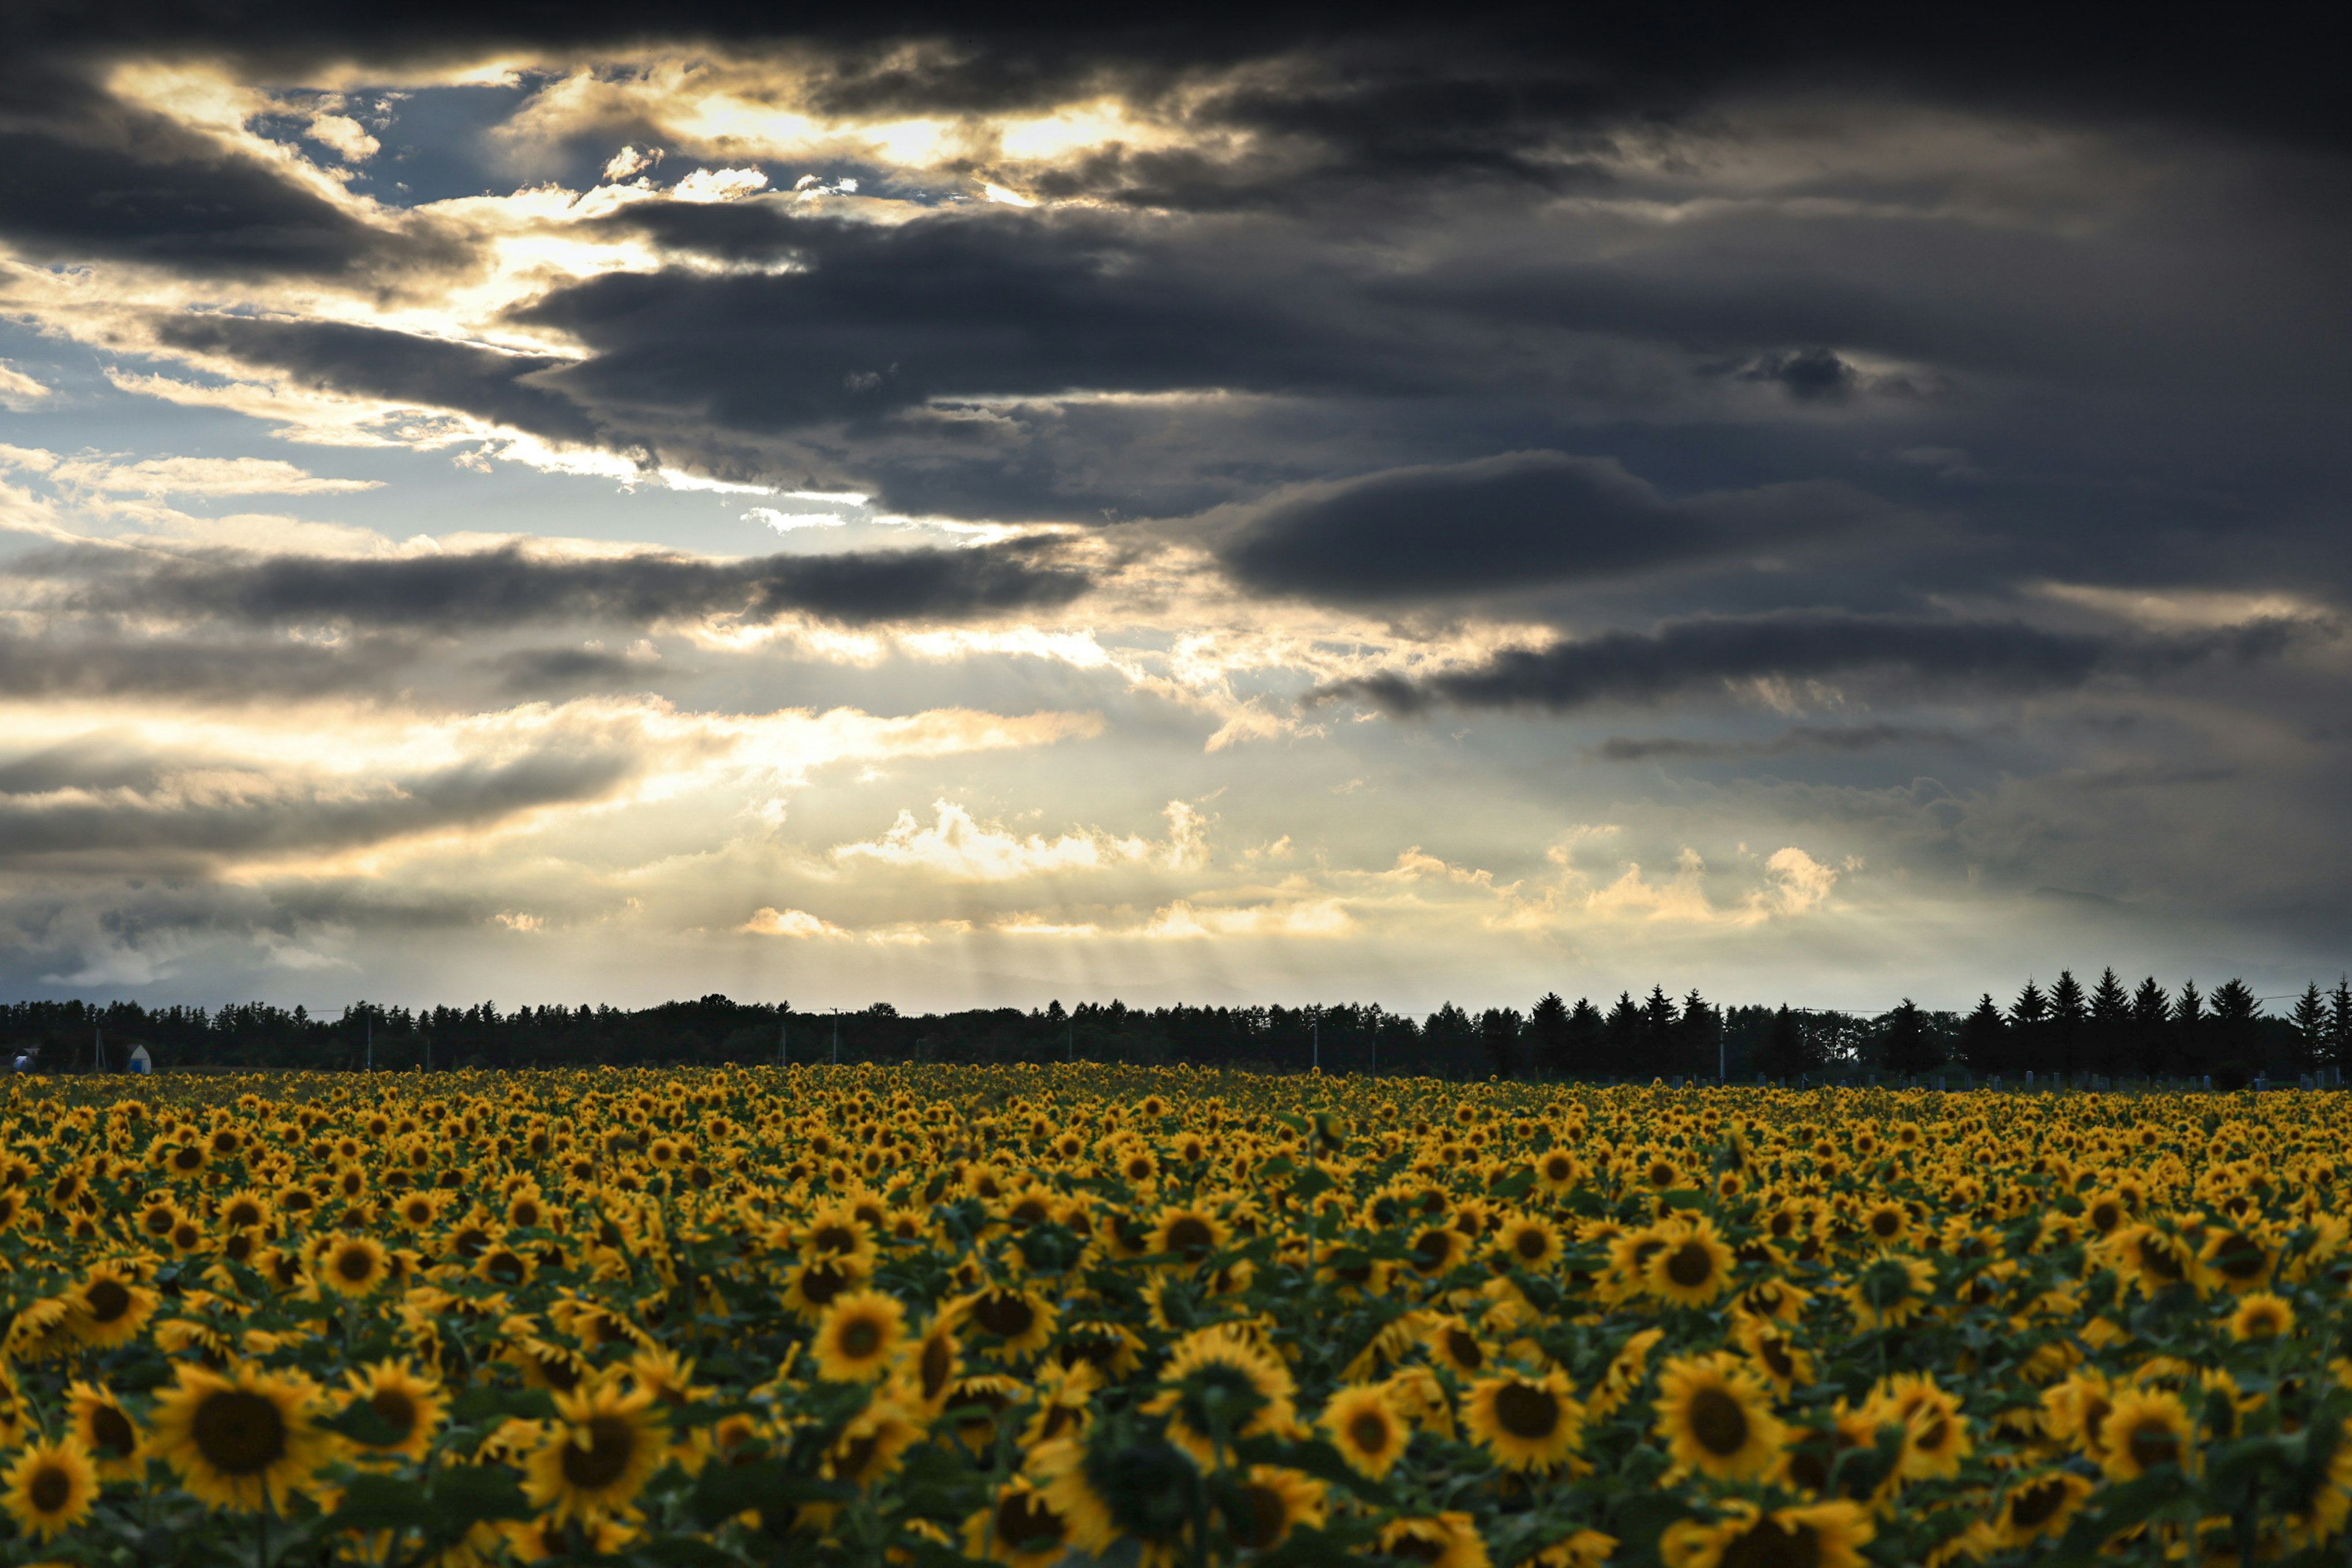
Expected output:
(1847, 738)
(506, 586)
(1912, 655)
(94, 662)
(1520, 520)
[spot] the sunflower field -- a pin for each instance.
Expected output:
(1162, 1319)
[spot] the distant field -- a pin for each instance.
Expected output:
(928, 1315)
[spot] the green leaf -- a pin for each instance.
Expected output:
(1317, 1458)
(476, 1406)
(362, 1423)
(467, 1494)
(380, 1502)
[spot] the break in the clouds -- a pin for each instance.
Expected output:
(622, 504)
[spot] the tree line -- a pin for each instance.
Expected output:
(2063, 1029)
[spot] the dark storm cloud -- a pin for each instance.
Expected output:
(1518, 520)
(542, 669)
(241, 811)
(104, 665)
(372, 361)
(494, 588)
(1847, 738)
(1915, 656)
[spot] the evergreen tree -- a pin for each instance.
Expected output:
(2188, 1030)
(2340, 1025)
(1624, 1036)
(2234, 1052)
(2310, 1021)
(2068, 1018)
(2151, 1027)
(1498, 1029)
(1910, 1045)
(1450, 1039)
(2028, 1020)
(1984, 1038)
(1786, 1053)
(2110, 1022)
(1698, 1034)
(1588, 1035)
(1547, 1033)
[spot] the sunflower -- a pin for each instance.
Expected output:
(2148, 1427)
(1887, 1223)
(2076, 1410)
(1438, 1250)
(1263, 1506)
(857, 1336)
(1019, 1528)
(1784, 1364)
(109, 1306)
(1138, 1491)
(869, 1446)
(2261, 1316)
(50, 1488)
(2237, 1261)
(1691, 1268)
(1936, 1434)
(975, 1403)
(239, 1439)
(603, 1447)
(353, 1265)
(2040, 1506)
(408, 1405)
(1437, 1541)
(1556, 1172)
(1530, 1243)
(1890, 1291)
(1526, 1423)
(1022, 1321)
(1187, 1235)
(1817, 1536)
(1221, 1388)
(106, 1432)
(1715, 1416)
(2150, 1259)
(552, 1539)
(1452, 1344)
(928, 1366)
(1364, 1425)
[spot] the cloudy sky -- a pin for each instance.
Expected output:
(521, 505)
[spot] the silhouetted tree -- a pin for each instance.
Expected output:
(1450, 1039)
(2188, 1030)
(1910, 1045)
(1658, 1031)
(2029, 1019)
(2232, 1034)
(2340, 1025)
(2110, 1022)
(2152, 1023)
(1498, 1029)
(1547, 1033)
(1698, 1032)
(2310, 1021)
(1786, 1053)
(1984, 1038)
(2069, 1015)
(1588, 1035)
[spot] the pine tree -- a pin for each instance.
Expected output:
(2189, 1029)
(2310, 1021)
(1547, 1032)
(1786, 1053)
(2110, 1022)
(1984, 1038)
(1588, 1035)
(2151, 1025)
(2068, 1014)
(1624, 1032)
(1698, 1033)
(2234, 1051)
(2340, 1025)
(1910, 1045)
(1498, 1030)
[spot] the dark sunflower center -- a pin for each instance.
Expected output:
(1718, 1422)
(242, 1214)
(2158, 1259)
(1025, 1523)
(106, 1301)
(821, 1282)
(2104, 1218)
(2239, 1257)
(1690, 1266)
(1417, 1549)
(1558, 1168)
(860, 1338)
(1465, 1350)
(834, 1238)
(612, 1443)
(1526, 1411)
(1006, 1313)
(238, 1433)
(51, 1490)
(355, 1263)
(1776, 1356)
(1768, 1545)
(111, 1431)
(1190, 1236)
(504, 1265)
(2155, 1445)
(939, 1362)
(1530, 1244)
(1935, 1435)
(398, 1410)
(2032, 1507)
(1884, 1224)
(1257, 1517)
(1369, 1432)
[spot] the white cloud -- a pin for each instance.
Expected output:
(345, 135)
(788, 521)
(956, 846)
(18, 392)
(203, 476)
(798, 924)
(631, 160)
(719, 185)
